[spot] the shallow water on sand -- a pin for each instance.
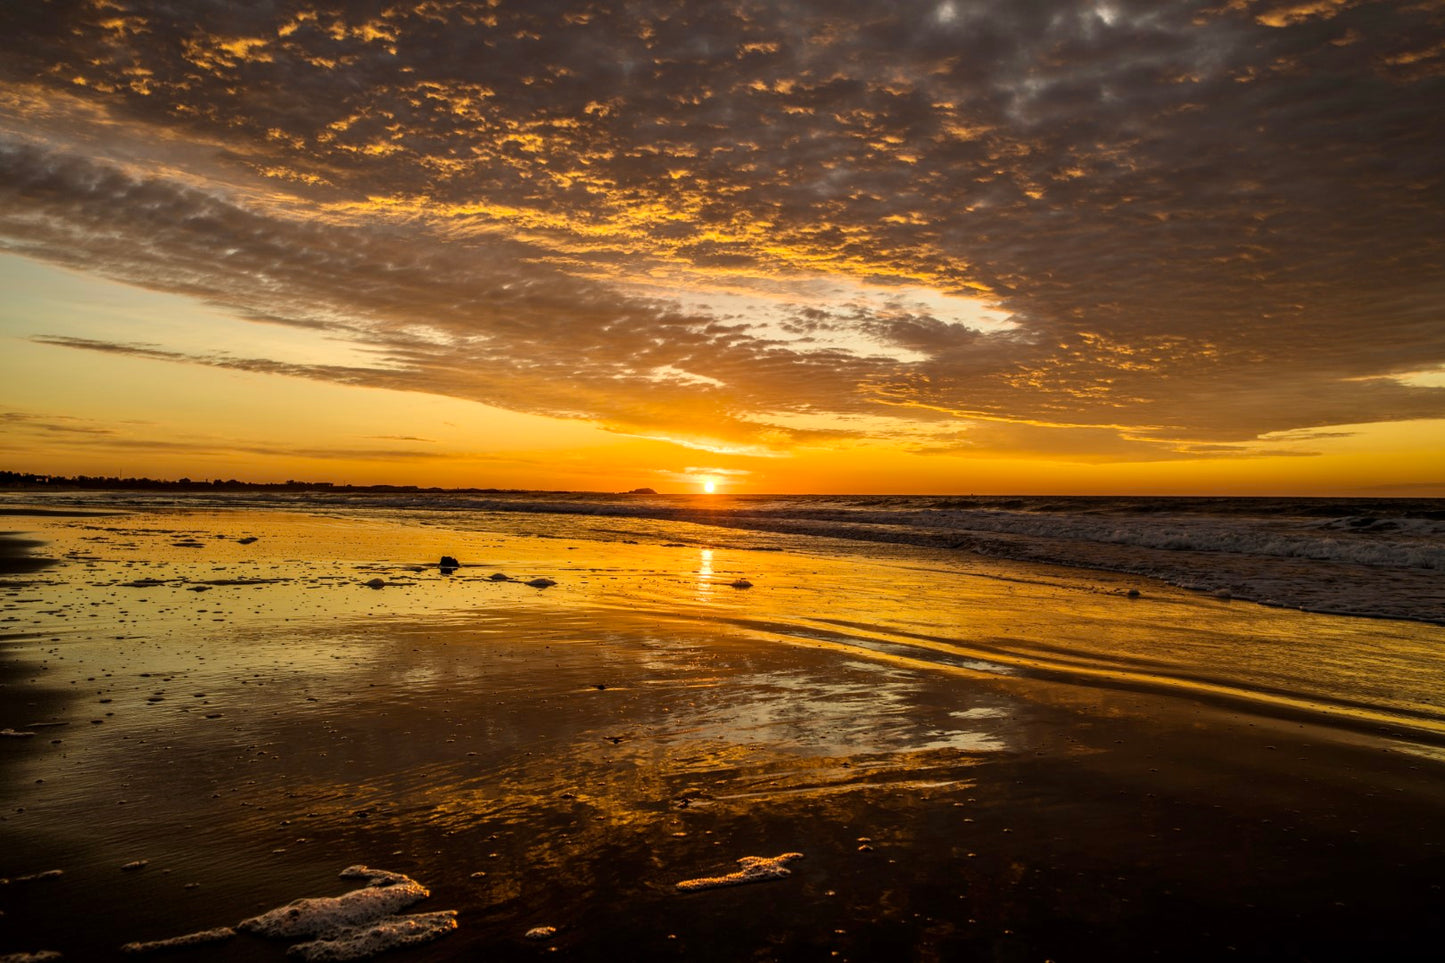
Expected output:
(1014, 762)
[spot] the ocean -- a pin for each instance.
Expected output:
(1372, 557)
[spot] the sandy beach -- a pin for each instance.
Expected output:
(208, 715)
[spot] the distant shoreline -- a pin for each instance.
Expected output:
(28, 481)
(24, 481)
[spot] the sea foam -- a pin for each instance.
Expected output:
(387, 933)
(353, 926)
(754, 869)
(218, 935)
(384, 894)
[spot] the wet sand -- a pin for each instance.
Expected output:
(246, 720)
(17, 555)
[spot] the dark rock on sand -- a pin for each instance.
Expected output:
(448, 564)
(541, 583)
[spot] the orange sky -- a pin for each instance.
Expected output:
(1174, 247)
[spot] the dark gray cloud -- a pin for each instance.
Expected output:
(23, 421)
(69, 433)
(1210, 221)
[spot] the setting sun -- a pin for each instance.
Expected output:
(709, 486)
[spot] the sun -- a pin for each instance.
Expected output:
(709, 486)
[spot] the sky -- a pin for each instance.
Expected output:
(1175, 246)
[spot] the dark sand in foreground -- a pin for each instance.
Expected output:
(564, 757)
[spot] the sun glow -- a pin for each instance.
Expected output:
(709, 486)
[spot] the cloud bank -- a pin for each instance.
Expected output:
(1206, 222)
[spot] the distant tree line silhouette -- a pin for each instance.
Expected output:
(21, 479)
(30, 480)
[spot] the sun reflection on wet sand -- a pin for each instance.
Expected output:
(704, 574)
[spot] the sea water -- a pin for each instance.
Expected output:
(1379, 557)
